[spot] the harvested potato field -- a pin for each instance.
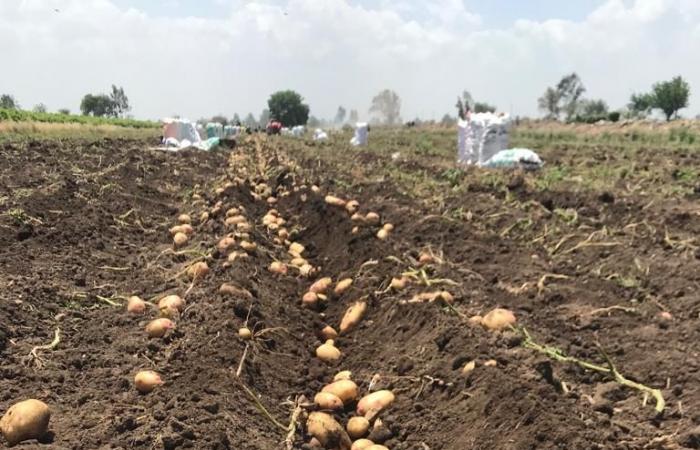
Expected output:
(473, 309)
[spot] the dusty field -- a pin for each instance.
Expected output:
(590, 258)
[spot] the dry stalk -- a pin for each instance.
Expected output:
(260, 406)
(292, 427)
(541, 283)
(34, 354)
(612, 308)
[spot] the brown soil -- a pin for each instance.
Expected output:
(85, 222)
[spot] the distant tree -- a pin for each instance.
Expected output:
(264, 117)
(8, 102)
(593, 107)
(448, 121)
(671, 96)
(340, 116)
(64, 111)
(641, 104)
(40, 108)
(570, 90)
(482, 107)
(289, 108)
(387, 104)
(236, 119)
(250, 121)
(354, 117)
(96, 105)
(549, 103)
(120, 102)
(220, 118)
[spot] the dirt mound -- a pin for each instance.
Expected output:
(85, 225)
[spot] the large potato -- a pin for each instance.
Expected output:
(329, 433)
(25, 420)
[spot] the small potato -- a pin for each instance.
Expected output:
(172, 302)
(278, 267)
(372, 218)
(374, 403)
(296, 249)
(343, 375)
(425, 258)
(469, 367)
(158, 327)
(328, 431)
(198, 270)
(203, 217)
(321, 286)
(352, 206)
(180, 239)
(357, 427)
(498, 319)
(399, 284)
(225, 244)
(361, 444)
(306, 270)
(353, 316)
(328, 401)
(235, 220)
(328, 352)
(146, 381)
(135, 305)
(346, 390)
(328, 332)
(245, 333)
(184, 218)
(357, 217)
(382, 234)
(249, 247)
(315, 189)
(310, 299)
(28, 419)
(342, 286)
(233, 212)
(233, 290)
(298, 262)
(388, 227)
(334, 201)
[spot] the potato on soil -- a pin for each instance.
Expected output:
(328, 352)
(328, 431)
(296, 249)
(343, 375)
(328, 401)
(498, 319)
(353, 316)
(321, 286)
(158, 327)
(310, 299)
(374, 403)
(372, 218)
(225, 243)
(172, 301)
(146, 381)
(278, 267)
(180, 239)
(334, 201)
(28, 419)
(361, 444)
(345, 389)
(342, 286)
(328, 332)
(185, 229)
(382, 234)
(184, 219)
(245, 333)
(230, 289)
(135, 305)
(198, 270)
(357, 427)
(352, 206)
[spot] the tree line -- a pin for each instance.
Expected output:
(115, 104)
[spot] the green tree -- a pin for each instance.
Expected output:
(96, 105)
(641, 104)
(549, 103)
(289, 108)
(64, 111)
(591, 108)
(40, 108)
(8, 102)
(120, 102)
(671, 96)
(483, 107)
(340, 115)
(570, 90)
(387, 105)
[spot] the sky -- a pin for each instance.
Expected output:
(198, 58)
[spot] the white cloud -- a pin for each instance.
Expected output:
(335, 52)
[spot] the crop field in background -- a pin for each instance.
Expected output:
(597, 256)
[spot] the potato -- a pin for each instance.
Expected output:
(372, 218)
(388, 227)
(185, 229)
(498, 319)
(298, 262)
(278, 267)
(198, 270)
(362, 444)
(296, 249)
(173, 302)
(357, 217)
(352, 206)
(334, 201)
(357, 427)
(158, 327)
(329, 433)
(475, 320)
(203, 217)
(28, 419)
(346, 390)
(355, 230)
(328, 401)
(306, 270)
(184, 219)
(425, 258)
(245, 333)
(469, 367)
(310, 299)
(271, 200)
(244, 227)
(328, 332)
(235, 220)
(315, 189)
(283, 233)
(135, 305)
(352, 316)
(250, 247)
(399, 284)
(233, 212)
(321, 286)
(491, 363)
(382, 234)
(225, 243)
(342, 286)
(374, 403)
(180, 239)
(328, 352)
(343, 375)
(146, 381)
